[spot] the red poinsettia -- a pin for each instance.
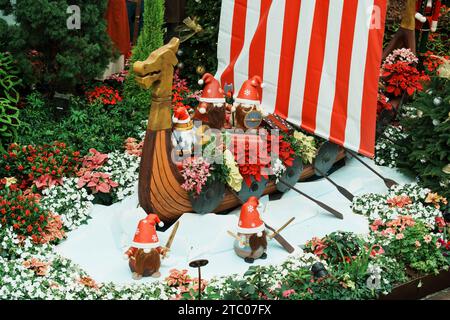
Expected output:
(402, 77)
(252, 155)
(286, 153)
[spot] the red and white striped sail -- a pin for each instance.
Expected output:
(319, 60)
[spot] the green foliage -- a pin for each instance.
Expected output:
(426, 149)
(85, 126)
(150, 39)
(417, 251)
(9, 97)
(201, 49)
(49, 53)
(152, 35)
(38, 167)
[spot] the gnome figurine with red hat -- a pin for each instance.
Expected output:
(183, 135)
(212, 102)
(251, 232)
(247, 104)
(144, 254)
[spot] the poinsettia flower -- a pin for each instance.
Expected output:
(47, 180)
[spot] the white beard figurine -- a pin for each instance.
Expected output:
(183, 135)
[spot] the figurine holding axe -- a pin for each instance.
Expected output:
(251, 238)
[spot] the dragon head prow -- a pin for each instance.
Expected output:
(153, 71)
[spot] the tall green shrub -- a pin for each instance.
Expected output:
(51, 54)
(425, 152)
(150, 39)
(9, 97)
(152, 34)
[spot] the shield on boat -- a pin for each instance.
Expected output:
(256, 189)
(326, 157)
(209, 199)
(291, 175)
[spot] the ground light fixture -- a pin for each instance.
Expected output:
(199, 264)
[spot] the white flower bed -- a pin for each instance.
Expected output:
(124, 169)
(74, 205)
(375, 206)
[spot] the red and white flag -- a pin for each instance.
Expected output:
(319, 60)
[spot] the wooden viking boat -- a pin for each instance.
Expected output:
(160, 190)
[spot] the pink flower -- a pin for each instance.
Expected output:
(440, 222)
(287, 293)
(134, 148)
(399, 236)
(427, 238)
(399, 201)
(195, 173)
(97, 182)
(387, 232)
(178, 278)
(47, 180)
(417, 243)
(376, 250)
(377, 223)
(94, 159)
(438, 244)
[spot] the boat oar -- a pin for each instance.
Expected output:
(171, 237)
(336, 213)
(281, 229)
(341, 189)
(286, 245)
(388, 182)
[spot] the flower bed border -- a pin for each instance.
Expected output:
(420, 287)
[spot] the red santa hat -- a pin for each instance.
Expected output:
(181, 115)
(249, 221)
(212, 92)
(154, 219)
(145, 236)
(249, 93)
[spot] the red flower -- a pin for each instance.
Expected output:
(401, 77)
(105, 94)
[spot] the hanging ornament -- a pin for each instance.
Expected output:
(436, 122)
(446, 169)
(437, 101)
(200, 70)
(180, 65)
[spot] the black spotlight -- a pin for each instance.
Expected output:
(318, 270)
(446, 213)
